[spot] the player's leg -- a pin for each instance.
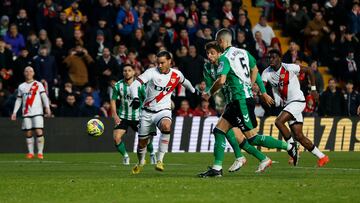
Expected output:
(38, 125)
(165, 127)
(296, 128)
(234, 141)
(27, 128)
(118, 133)
(150, 149)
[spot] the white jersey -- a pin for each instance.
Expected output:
(160, 87)
(30, 93)
(284, 82)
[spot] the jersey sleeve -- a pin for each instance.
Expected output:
(41, 88)
(264, 75)
(142, 93)
(19, 92)
(146, 76)
(293, 68)
(252, 61)
(224, 65)
(182, 77)
(207, 78)
(115, 92)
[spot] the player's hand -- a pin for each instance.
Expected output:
(315, 94)
(117, 119)
(135, 104)
(13, 117)
(206, 96)
(267, 99)
(47, 112)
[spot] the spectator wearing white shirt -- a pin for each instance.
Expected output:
(266, 31)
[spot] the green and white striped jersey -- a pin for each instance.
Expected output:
(120, 94)
(236, 64)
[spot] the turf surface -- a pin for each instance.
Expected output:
(100, 177)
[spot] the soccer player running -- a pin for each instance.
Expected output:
(210, 76)
(237, 69)
(285, 83)
(125, 116)
(32, 96)
(156, 110)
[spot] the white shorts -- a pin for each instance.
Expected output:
(149, 121)
(295, 109)
(30, 123)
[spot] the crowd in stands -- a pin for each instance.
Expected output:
(78, 47)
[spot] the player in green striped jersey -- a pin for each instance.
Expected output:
(237, 69)
(124, 115)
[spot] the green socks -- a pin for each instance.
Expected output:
(230, 136)
(268, 141)
(150, 147)
(252, 150)
(121, 148)
(219, 148)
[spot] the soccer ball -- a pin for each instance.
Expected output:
(95, 127)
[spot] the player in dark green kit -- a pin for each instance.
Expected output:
(124, 115)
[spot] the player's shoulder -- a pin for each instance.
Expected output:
(290, 65)
(268, 70)
(177, 71)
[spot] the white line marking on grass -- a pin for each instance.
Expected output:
(32, 161)
(325, 168)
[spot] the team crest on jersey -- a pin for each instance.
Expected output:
(282, 76)
(221, 67)
(173, 80)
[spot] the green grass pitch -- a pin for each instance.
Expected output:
(100, 177)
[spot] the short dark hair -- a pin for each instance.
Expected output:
(212, 45)
(128, 65)
(222, 32)
(165, 54)
(275, 51)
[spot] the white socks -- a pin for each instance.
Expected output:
(217, 167)
(40, 144)
(289, 141)
(30, 144)
(141, 155)
(163, 146)
(317, 153)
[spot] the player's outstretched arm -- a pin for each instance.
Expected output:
(16, 108)
(218, 84)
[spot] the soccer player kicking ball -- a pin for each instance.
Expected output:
(125, 116)
(237, 69)
(210, 76)
(285, 83)
(156, 109)
(32, 96)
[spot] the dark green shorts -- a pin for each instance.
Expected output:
(240, 113)
(125, 124)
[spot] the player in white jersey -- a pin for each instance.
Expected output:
(285, 84)
(156, 109)
(32, 96)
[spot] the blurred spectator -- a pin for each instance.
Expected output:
(73, 14)
(14, 39)
(6, 64)
(138, 43)
(33, 44)
(102, 26)
(319, 81)
(260, 46)
(161, 38)
(44, 40)
(4, 25)
(22, 61)
(121, 55)
(64, 29)
(106, 109)
(152, 25)
(275, 44)
(60, 53)
(77, 63)
(132, 59)
(23, 23)
(350, 67)
(243, 25)
(208, 10)
(192, 66)
(265, 30)
(331, 53)
(171, 11)
(227, 12)
(183, 40)
(335, 15)
(244, 43)
(107, 67)
(103, 10)
(97, 47)
(70, 108)
(349, 42)
(204, 110)
(354, 19)
(332, 101)
(46, 14)
(90, 90)
(184, 109)
(294, 53)
(352, 100)
(78, 38)
(314, 31)
(88, 109)
(295, 22)
(4, 94)
(126, 20)
(310, 106)
(45, 66)
(69, 90)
